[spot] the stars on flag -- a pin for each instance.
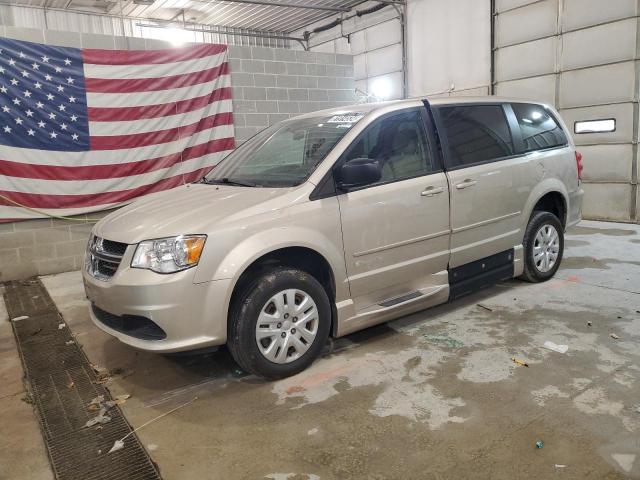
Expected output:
(45, 97)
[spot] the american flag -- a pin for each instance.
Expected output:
(83, 130)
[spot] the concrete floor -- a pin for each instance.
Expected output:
(432, 395)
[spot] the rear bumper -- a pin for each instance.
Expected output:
(574, 213)
(190, 315)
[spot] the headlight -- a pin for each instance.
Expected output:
(168, 255)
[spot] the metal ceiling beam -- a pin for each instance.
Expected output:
(237, 34)
(268, 3)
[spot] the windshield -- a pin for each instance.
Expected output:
(285, 154)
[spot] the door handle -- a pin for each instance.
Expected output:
(431, 191)
(466, 184)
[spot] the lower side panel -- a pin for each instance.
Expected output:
(481, 273)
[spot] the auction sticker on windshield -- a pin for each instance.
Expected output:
(346, 118)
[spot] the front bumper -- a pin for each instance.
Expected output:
(192, 315)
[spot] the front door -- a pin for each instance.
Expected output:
(396, 232)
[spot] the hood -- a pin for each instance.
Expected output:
(190, 209)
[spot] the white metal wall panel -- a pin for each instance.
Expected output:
(384, 34)
(526, 59)
(384, 60)
(608, 201)
(528, 23)
(587, 86)
(593, 46)
(358, 43)
(584, 13)
(607, 163)
(502, 5)
(613, 42)
(541, 89)
(449, 44)
(623, 113)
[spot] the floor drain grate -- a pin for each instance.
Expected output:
(63, 383)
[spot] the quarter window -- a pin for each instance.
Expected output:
(399, 144)
(539, 128)
(476, 133)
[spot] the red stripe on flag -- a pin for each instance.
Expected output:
(131, 85)
(37, 200)
(118, 170)
(119, 114)
(118, 142)
(146, 57)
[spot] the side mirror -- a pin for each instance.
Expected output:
(358, 172)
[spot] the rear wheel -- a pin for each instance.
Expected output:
(543, 247)
(279, 323)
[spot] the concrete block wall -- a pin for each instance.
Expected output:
(269, 85)
(44, 246)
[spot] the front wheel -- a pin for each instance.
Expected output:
(279, 323)
(543, 247)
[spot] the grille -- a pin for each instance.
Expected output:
(103, 257)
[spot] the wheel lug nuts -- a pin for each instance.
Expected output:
(293, 330)
(295, 319)
(283, 334)
(279, 325)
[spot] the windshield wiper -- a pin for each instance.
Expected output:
(229, 181)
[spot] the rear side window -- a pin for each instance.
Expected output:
(476, 133)
(539, 129)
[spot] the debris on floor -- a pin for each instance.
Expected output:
(99, 404)
(444, 340)
(119, 444)
(519, 362)
(489, 309)
(22, 317)
(614, 336)
(557, 465)
(70, 342)
(61, 326)
(590, 323)
(539, 444)
(555, 347)
(101, 418)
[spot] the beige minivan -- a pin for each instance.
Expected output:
(335, 221)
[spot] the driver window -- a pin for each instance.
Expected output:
(398, 142)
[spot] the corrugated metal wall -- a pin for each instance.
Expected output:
(582, 57)
(72, 24)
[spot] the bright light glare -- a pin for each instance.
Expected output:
(536, 115)
(175, 36)
(595, 126)
(381, 88)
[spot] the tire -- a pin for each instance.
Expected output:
(536, 267)
(272, 337)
